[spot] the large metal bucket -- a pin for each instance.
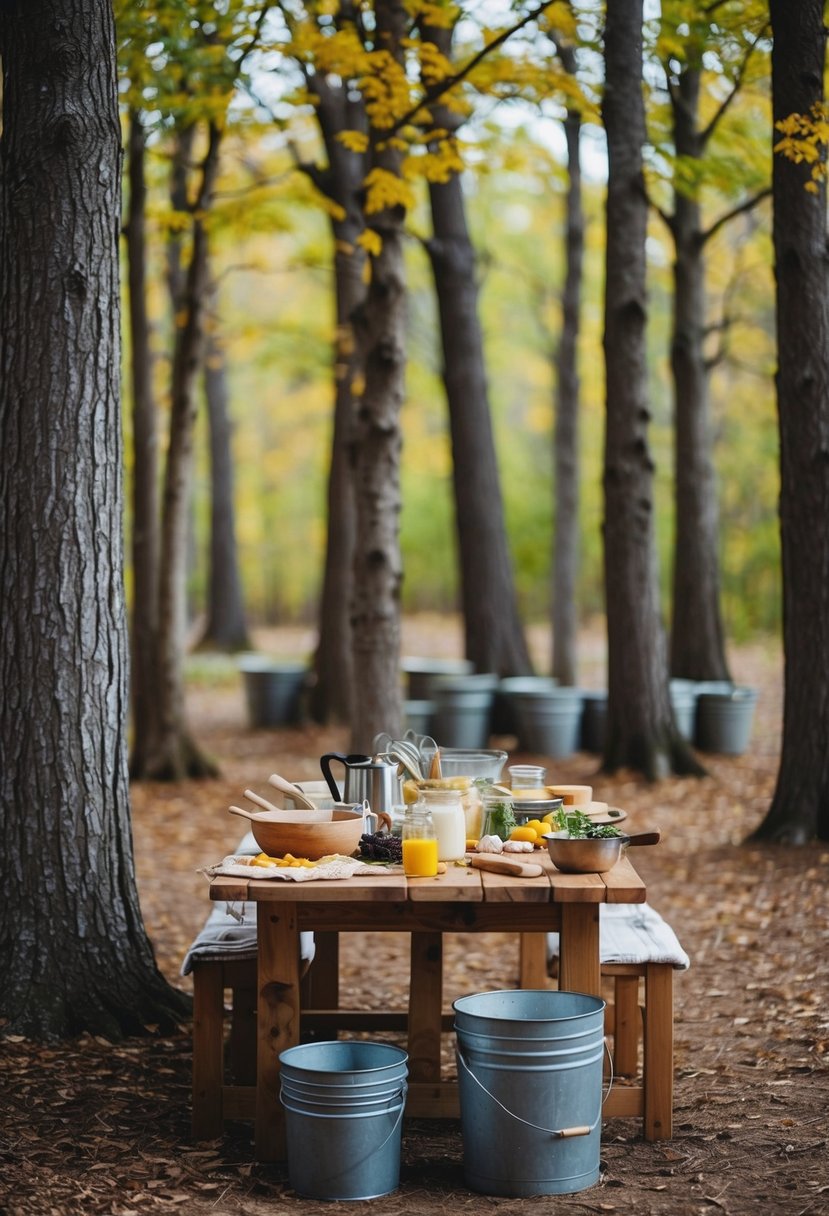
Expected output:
(530, 1081)
(343, 1105)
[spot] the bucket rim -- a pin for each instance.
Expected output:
(292, 1055)
(598, 1004)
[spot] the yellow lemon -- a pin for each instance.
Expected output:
(523, 833)
(537, 826)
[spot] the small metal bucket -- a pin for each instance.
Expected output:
(344, 1104)
(530, 1081)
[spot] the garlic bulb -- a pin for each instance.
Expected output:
(490, 844)
(518, 846)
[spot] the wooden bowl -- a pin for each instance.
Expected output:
(277, 835)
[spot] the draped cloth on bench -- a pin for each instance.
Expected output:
(633, 933)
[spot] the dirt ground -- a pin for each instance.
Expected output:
(93, 1128)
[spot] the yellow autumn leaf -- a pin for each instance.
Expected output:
(355, 141)
(371, 241)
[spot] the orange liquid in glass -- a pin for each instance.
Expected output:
(420, 857)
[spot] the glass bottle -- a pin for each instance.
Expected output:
(497, 814)
(446, 810)
(420, 844)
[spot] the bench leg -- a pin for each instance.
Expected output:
(659, 1051)
(626, 1025)
(208, 1050)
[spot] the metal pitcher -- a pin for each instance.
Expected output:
(371, 778)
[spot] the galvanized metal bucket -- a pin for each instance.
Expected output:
(530, 1082)
(344, 1103)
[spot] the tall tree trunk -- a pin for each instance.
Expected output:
(145, 506)
(337, 109)
(381, 329)
(176, 754)
(641, 731)
(494, 635)
(565, 564)
(74, 953)
(226, 626)
(800, 807)
(697, 636)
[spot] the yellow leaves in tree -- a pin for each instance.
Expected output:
(385, 189)
(355, 141)
(371, 241)
(805, 137)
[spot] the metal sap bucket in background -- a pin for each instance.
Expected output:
(344, 1104)
(530, 1081)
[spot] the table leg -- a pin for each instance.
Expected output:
(532, 965)
(425, 1006)
(579, 965)
(278, 1013)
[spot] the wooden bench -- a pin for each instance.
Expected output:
(639, 953)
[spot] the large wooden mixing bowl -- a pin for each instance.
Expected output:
(278, 833)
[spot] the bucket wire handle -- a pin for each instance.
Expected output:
(560, 1133)
(402, 1095)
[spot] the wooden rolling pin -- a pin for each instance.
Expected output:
(498, 864)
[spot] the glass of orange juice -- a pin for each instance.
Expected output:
(420, 844)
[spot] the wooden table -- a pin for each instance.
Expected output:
(463, 900)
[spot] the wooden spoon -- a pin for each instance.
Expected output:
(263, 802)
(296, 793)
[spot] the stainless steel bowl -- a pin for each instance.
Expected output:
(592, 855)
(534, 808)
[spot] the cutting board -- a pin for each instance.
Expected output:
(497, 864)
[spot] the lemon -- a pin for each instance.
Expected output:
(525, 832)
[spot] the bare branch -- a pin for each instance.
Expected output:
(747, 205)
(737, 84)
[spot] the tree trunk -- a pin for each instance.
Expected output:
(800, 807)
(145, 534)
(73, 949)
(494, 636)
(697, 637)
(565, 565)
(641, 732)
(226, 627)
(176, 754)
(381, 327)
(336, 111)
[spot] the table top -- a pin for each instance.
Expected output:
(460, 884)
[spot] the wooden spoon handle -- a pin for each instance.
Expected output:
(263, 802)
(296, 793)
(238, 810)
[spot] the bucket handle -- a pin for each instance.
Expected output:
(560, 1133)
(402, 1095)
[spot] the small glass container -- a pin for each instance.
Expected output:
(527, 776)
(446, 810)
(497, 814)
(420, 844)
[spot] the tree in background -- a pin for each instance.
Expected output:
(697, 649)
(800, 808)
(73, 949)
(494, 635)
(641, 731)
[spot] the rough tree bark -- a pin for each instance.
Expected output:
(565, 565)
(226, 625)
(800, 808)
(697, 635)
(174, 753)
(145, 519)
(641, 731)
(494, 635)
(381, 330)
(338, 108)
(74, 954)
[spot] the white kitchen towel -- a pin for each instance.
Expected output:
(633, 933)
(232, 934)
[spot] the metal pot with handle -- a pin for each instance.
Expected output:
(367, 778)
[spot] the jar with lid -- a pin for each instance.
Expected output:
(420, 844)
(446, 810)
(497, 814)
(527, 776)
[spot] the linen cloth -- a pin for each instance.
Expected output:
(633, 933)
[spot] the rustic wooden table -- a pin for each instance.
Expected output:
(463, 900)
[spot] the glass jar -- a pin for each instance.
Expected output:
(446, 810)
(527, 776)
(497, 814)
(420, 844)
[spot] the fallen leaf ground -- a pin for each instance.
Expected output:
(93, 1128)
